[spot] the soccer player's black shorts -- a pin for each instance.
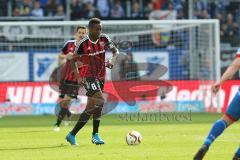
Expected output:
(69, 88)
(93, 85)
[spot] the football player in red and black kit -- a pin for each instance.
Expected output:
(68, 84)
(91, 50)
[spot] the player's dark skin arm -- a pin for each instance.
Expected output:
(114, 51)
(112, 60)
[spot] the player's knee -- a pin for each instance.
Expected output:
(98, 100)
(67, 98)
(65, 103)
(97, 112)
(228, 120)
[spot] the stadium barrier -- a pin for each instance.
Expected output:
(38, 98)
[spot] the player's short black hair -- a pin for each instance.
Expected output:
(80, 27)
(93, 21)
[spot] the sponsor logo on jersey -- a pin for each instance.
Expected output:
(96, 53)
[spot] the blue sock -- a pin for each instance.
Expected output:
(217, 129)
(238, 151)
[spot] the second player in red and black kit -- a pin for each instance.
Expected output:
(92, 49)
(68, 87)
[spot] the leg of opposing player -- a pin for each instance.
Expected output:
(237, 155)
(232, 114)
(235, 102)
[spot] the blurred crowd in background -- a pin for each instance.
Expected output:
(110, 9)
(228, 13)
(84, 9)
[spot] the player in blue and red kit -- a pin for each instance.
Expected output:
(232, 114)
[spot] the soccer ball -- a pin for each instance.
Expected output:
(133, 138)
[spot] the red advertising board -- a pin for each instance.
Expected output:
(41, 92)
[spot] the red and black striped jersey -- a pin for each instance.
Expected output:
(93, 55)
(67, 72)
(69, 46)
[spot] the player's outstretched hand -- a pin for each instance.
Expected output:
(109, 65)
(216, 87)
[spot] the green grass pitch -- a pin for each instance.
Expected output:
(32, 138)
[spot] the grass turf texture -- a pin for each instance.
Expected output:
(32, 138)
